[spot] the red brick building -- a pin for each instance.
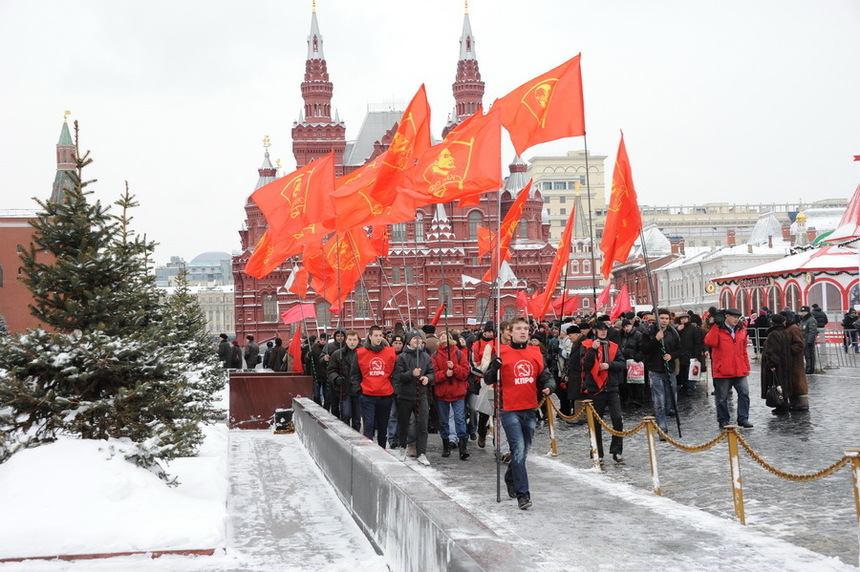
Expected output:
(16, 234)
(432, 258)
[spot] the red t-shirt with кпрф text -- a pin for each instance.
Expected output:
(376, 369)
(520, 371)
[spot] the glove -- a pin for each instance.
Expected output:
(563, 385)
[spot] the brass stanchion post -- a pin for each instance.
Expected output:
(854, 454)
(735, 466)
(652, 454)
(592, 434)
(550, 420)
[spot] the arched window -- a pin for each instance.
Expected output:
(398, 232)
(826, 295)
(419, 227)
(323, 315)
(510, 313)
(270, 307)
(743, 301)
(586, 267)
(481, 304)
(574, 266)
(476, 219)
(362, 303)
(773, 299)
(726, 299)
(445, 295)
(792, 297)
(524, 228)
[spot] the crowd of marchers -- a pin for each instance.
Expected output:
(399, 386)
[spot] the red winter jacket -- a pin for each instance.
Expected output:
(729, 356)
(452, 388)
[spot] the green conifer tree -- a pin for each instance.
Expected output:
(106, 366)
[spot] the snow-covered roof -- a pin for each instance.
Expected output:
(766, 230)
(823, 259)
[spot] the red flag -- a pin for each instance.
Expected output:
(296, 349)
(622, 304)
(271, 251)
(562, 257)
(298, 199)
(298, 313)
(566, 305)
(522, 299)
(341, 264)
(506, 233)
(379, 240)
(623, 221)
(546, 108)
(486, 238)
(438, 314)
(603, 299)
(467, 163)
(299, 287)
(361, 199)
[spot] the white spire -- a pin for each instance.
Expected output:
(467, 40)
(315, 40)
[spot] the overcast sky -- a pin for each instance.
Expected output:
(736, 100)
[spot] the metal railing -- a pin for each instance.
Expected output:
(729, 433)
(834, 348)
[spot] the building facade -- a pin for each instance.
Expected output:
(432, 259)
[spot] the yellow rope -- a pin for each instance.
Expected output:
(826, 472)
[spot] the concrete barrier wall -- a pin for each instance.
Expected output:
(416, 525)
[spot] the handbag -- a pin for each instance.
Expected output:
(774, 397)
(695, 370)
(635, 372)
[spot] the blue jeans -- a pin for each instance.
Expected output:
(519, 428)
(350, 411)
(459, 409)
(722, 386)
(660, 397)
(375, 411)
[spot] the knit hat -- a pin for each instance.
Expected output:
(412, 334)
(428, 329)
(489, 327)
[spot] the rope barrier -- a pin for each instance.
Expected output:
(825, 472)
(690, 448)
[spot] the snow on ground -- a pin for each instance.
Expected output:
(78, 496)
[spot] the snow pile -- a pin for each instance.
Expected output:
(82, 497)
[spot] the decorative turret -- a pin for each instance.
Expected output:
(315, 134)
(468, 87)
(65, 162)
(255, 222)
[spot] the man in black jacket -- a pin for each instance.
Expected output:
(338, 371)
(604, 367)
(692, 347)
(661, 346)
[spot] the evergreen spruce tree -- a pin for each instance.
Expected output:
(106, 366)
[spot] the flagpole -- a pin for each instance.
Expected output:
(590, 226)
(406, 326)
(339, 296)
(497, 425)
(390, 289)
(648, 271)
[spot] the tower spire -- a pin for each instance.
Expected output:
(315, 134)
(65, 162)
(468, 88)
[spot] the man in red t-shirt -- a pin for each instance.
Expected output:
(375, 363)
(519, 369)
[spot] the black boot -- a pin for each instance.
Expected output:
(446, 448)
(463, 454)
